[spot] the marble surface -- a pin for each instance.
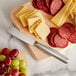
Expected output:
(51, 67)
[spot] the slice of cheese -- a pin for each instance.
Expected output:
(30, 15)
(36, 34)
(65, 1)
(72, 13)
(33, 18)
(22, 11)
(31, 21)
(60, 16)
(32, 28)
(36, 25)
(42, 30)
(70, 10)
(23, 17)
(39, 15)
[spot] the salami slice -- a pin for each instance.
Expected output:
(72, 38)
(60, 42)
(48, 3)
(70, 26)
(51, 40)
(41, 5)
(53, 32)
(66, 30)
(55, 6)
(75, 28)
(34, 3)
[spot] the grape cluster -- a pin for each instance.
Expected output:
(10, 64)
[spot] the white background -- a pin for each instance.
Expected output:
(51, 67)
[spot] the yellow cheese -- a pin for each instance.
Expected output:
(42, 30)
(36, 34)
(72, 13)
(23, 17)
(60, 16)
(70, 10)
(32, 28)
(65, 1)
(39, 15)
(31, 22)
(22, 11)
(33, 18)
(30, 14)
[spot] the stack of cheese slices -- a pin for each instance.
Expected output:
(34, 21)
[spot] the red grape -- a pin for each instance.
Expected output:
(2, 65)
(5, 51)
(8, 74)
(15, 72)
(1, 71)
(8, 69)
(21, 74)
(8, 61)
(14, 53)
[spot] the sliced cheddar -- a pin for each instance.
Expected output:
(33, 18)
(42, 30)
(31, 21)
(70, 10)
(39, 15)
(32, 28)
(23, 17)
(65, 1)
(22, 11)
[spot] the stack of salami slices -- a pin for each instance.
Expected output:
(48, 6)
(60, 37)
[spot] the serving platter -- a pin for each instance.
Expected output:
(36, 52)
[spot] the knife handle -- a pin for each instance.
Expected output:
(53, 52)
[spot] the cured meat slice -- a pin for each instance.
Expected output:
(34, 3)
(75, 28)
(60, 42)
(41, 5)
(48, 3)
(51, 40)
(55, 6)
(72, 38)
(70, 27)
(66, 30)
(50, 37)
(52, 30)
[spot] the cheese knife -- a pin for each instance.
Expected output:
(16, 33)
